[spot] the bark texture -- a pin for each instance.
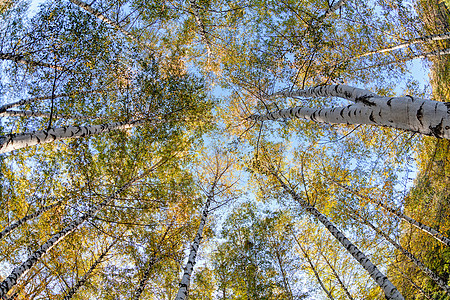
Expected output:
(19, 58)
(19, 271)
(406, 113)
(438, 280)
(186, 280)
(203, 33)
(427, 229)
(388, 288)
(16, 224)
(17, 141)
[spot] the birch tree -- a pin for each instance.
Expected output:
(423, 116)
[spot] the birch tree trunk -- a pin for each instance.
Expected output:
(332, 9)
(388, 288)
(425, 39)
(18, 58)
(336, 275)
(86, 276)
(110, 22)
(201, 26)
(12, 142)
(7, 106)
(16, 224)
(311, 265)
(427, 229)
(438, 280)
(29, 113)
(19, 271)
(406, 113)
(186, 280)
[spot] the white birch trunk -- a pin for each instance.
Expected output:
(7, 106)
(85, 277)
(406, 113)
(438, 280)
(16, 224)
(19, 271)
(186, 280)
(428, 38)
(427, 229)
(142, 283)
(29, 113)
(12, 142)
(201, 26)
(332, 9)
(388, 288)
(110, 22)
(22, 60)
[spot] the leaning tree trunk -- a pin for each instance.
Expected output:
(18, 58)
(16, 224)
(316, 274)
(388, 288)
(86, 276)
(427, 229)
(17, 273)
(425, 39)
(38, 114)
(438, 280)
(110, 22)
(406, 113)
(186, 280)
(12, 142)
(7, 106)
(201, 26)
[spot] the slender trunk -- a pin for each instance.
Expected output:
(110, 22)
(150, 263)
(12, 142)
(438, 280)
(16, 224)
(427, 229)
(18, 58)
(428, 38)
(406, 113)
(29, 113)
(388, 288)
(186, 280)
(429, 297)
(19, 271)
(86, 276)
(316, 274)
(283, 273)
(201, 26)
(332, 9)
(5, 107)
(336, 275)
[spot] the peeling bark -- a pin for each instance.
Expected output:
(12, 142)
(406, 113)
(16, 224)
(388, 288)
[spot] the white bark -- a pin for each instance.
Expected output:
(19, 271)
(12, 142)
(332, 9)
(406, 113)
(388, 288)
(201, 26)
(438, 280)
(427, 229)
(29, 113)
(16, 224)
(22, 60)
(110, 22)
(186, 280)
(428, 38)
(7, 106)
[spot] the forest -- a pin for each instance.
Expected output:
(211, 149)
